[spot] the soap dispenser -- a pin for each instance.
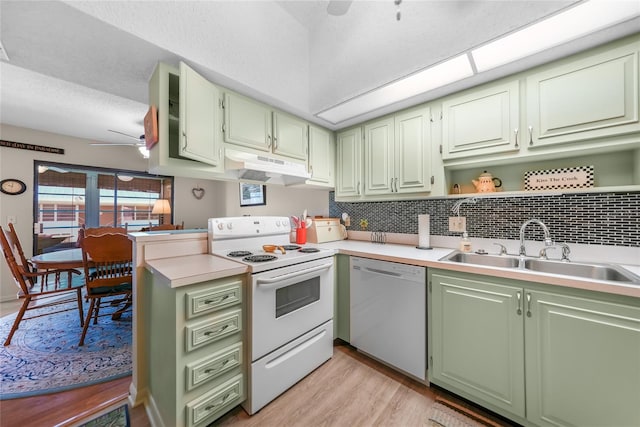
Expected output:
(465, 243)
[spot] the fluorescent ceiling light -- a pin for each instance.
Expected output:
(439, 75)
(578, 21)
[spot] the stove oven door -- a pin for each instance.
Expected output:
(288, 302)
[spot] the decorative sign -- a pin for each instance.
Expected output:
(151, 127)
(32, 147)
(253, 194)
(555, 179)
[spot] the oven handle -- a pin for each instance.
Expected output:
(277, 280)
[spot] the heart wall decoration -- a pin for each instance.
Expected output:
(197, 192)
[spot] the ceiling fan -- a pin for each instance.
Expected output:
(139, 140)
(338, 7)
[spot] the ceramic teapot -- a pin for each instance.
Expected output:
(486, 183)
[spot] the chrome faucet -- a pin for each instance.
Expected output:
(547, 236)
(565, 251)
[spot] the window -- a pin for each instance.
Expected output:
(68, 197)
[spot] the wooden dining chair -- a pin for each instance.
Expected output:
(99, 231)
(108, 266)
(50, 293)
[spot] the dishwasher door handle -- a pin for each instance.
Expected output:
(383, 272)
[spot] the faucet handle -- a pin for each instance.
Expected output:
(503, 248)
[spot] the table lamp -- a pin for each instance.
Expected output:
(161, 207)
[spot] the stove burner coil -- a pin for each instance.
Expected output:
(309, 250)
(238, 253)
(291, 247)
(259, 258)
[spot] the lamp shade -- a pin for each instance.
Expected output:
(161, 207)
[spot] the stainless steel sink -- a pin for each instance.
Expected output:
(486, 260)
(590, 271)
(608, 272)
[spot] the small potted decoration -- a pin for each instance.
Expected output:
(364, 224)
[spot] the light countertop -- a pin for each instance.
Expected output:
(190, 269)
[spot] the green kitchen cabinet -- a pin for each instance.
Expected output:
(187, 105)
(477, 344)
(321, 164)
(537, 354)
(251, 124)
(200, 118)
(482, 121)
(348, 163)
(195, 342)
(397, 154)
(379, 157)
(582, 361)
(592, 97)
(341, 316)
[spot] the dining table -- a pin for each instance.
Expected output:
(59, 260)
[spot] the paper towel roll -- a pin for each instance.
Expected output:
(423, 231)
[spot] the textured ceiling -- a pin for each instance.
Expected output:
(81, 67)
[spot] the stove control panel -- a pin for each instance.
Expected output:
(247, 226)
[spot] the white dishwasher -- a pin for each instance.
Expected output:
(388, 313)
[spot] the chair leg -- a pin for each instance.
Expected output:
(95, 318)
(87, 321)
(80, 309)
(16, 323)
(127, 304)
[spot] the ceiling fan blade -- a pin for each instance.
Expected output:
(137, 138)
(338, 7)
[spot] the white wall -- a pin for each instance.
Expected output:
(281, 201)
(192, 211)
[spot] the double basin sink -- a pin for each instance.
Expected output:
(607, 272)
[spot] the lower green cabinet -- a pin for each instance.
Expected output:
(197, 368)
(341, 322)
(563, 358)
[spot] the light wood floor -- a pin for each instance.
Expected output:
(349, 390)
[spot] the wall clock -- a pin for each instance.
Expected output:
(12, 186)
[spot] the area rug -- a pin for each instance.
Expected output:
(44, 356)
(118, 417)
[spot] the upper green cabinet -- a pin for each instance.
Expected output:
(565, 357)
(321, 156)
(189, 124)
(482, 121)
(590, 98)
(200, 118)
(251, 124)
(397, 154)
(348, 163)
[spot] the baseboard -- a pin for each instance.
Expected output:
(153, 413)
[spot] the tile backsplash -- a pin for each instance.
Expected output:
(588, 218)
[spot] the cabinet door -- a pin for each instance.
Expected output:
(200, 122)
(591, 98)
(582, 362)
(379, 157)
(349, 158)
(321, 155)
(247, 122)
(342, 295)
(477, 339)
(290, 136)
(412, 151)
(481, 122)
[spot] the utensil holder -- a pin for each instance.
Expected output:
(301, 235)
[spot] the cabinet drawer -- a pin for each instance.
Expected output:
(213, 366)
(217, 401)
(203, 333)
(212, 299)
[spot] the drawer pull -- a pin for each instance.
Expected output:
(215, 405)
(216, 301)
(207, 333)
(217, 368)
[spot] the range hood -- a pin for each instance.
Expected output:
(259, 167)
